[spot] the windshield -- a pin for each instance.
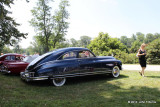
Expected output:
(39, 58)
(26, 58)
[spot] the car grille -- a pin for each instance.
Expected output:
(31, 74)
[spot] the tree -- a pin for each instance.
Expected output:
(85, 41)
(133, 38)
(105, 45)
(9, 34)
(43, 22)
(149, 38)
(157, 35)
(30, 50)
(135, 46)
(60, 23)
(140, 36)
(50, 28)
(74, 43)
(153, 52)
(6, 49)
(124, 40)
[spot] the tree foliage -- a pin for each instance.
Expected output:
(140, 37)
(137, 39)
(6, 49)
(50, 28)
(105, 45)
(153, 52)
(9, 34)
(135, 46)
(85, 41)
(60, 23)
(42, 22)
(74, 43)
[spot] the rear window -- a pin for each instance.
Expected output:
(85, 54)
(68, 55)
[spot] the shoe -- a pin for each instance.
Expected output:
(140, 73)
(143, 75)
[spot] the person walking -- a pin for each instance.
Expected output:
(142, 58)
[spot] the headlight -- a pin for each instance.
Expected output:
(27, 74)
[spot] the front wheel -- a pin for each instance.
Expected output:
(59, 81)
(115, 72)
(1, 67)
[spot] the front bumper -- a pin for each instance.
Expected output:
(29, 76)
(5, 71)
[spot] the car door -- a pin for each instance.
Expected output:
(86, 62)
(8, 59)
(67, 64)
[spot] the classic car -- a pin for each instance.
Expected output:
(15, 67)
(11, 57)
(70, 62)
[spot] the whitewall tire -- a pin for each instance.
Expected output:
(115, 72)
(59, 81)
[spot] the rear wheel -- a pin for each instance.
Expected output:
(59, 81)
(115, 72)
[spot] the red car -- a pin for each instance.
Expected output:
(15, 63)
(12, 63)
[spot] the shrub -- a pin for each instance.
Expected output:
(153, 52)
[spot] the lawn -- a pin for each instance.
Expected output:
(130, 89)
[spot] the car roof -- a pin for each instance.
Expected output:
(71, 49)
(12, 54)
(63, 50)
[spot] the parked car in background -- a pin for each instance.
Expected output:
(30, 58)
(10, 57)
(70, 62)
(16, 66)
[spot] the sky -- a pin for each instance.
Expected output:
(89, 17)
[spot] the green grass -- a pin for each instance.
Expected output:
(90, 91)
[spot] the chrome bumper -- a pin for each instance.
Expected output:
(29, 76)
(6, 71)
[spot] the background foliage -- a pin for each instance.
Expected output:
(51, 28)
(153, 52)
(9, 34)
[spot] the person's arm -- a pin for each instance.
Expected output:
(139, 53)
(145, 53)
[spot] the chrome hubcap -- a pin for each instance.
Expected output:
(59, 81)
(115, 71)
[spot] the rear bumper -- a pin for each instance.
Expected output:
(29, 76)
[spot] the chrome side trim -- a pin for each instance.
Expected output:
(28, 77)
(81, 74)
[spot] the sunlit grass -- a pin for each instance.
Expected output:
(90, 91)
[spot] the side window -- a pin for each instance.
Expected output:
(18, 58)
(85, 54)
(12, 58)
(69, 55)
(7, 58)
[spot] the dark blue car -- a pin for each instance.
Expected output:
(70, 62)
